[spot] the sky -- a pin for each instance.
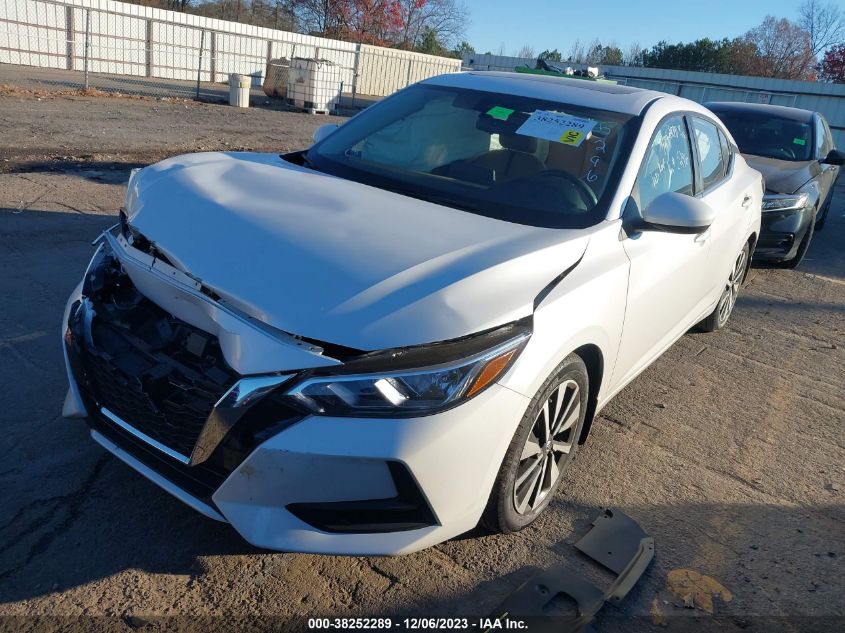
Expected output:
(550, 24)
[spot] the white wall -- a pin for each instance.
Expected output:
(52, 34)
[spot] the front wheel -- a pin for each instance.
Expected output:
(719, 317)
(542, 448)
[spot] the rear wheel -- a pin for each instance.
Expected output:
(541, 449)
(719, 317)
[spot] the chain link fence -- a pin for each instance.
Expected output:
(133, 50)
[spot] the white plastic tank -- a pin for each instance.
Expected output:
(314, 84)
(239, 86)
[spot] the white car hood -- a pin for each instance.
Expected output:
(338, 261)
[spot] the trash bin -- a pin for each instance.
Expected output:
(239, 90)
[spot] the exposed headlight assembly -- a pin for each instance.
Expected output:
(414, 381)
(785, 202)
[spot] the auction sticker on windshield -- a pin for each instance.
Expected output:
(561, 128)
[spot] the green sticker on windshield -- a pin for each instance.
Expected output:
(799, 141)
(498, 112)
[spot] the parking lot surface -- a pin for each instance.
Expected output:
(729, 450)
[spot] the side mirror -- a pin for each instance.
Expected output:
(323, 131)
(834, 157)
(678, 213)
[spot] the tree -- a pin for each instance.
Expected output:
(833, 64)
(737, 57)
(376, 22)
(526, 52)
(275, 14)
(577, 52)
(447, 19)
(633, 55)
(551, 56)
(740, 56)
(824, 24)
(783, 50)
(610, 55)
(430, 45)
(704, 55)
(464, 48)
(322, 17)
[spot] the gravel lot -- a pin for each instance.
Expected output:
(729, 450)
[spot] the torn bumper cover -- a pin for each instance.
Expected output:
(164, 387)
(617, 543)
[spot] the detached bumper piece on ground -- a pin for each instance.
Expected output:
(617, 543)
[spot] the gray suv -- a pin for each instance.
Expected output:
(794, 151)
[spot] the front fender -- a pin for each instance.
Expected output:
(586, 308)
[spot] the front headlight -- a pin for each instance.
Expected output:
(406, 392)
(785, 202)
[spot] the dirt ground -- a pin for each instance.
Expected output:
(729, 450)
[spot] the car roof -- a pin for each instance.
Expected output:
(764, 109)
(579, 92)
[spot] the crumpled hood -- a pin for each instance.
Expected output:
(783, 176)
(338, 261)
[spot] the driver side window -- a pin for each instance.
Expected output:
(667, 165)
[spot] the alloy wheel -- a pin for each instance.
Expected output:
(732, 287)
(547, 447)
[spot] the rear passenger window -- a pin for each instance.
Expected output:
(667, 165)
(713, 164)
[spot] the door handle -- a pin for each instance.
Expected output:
(746, 201)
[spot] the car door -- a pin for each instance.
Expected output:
(729, 195)
(667, 277)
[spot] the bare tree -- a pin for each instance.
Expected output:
(593, 53)
(824, 23)
(501, 51)
(783, 49)
(445, 19)
(633, 55)
(323, 17)
(578, 52)
(526, 52)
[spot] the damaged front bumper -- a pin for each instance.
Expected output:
(190, 393)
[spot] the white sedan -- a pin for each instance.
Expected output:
(373, 345)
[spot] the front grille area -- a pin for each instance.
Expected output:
(160, 375)
(200, 481)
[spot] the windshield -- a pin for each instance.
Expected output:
(509, 157)
(772, 137)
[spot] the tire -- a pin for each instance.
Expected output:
(802, 248)
(512, 507)
(727, 300)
